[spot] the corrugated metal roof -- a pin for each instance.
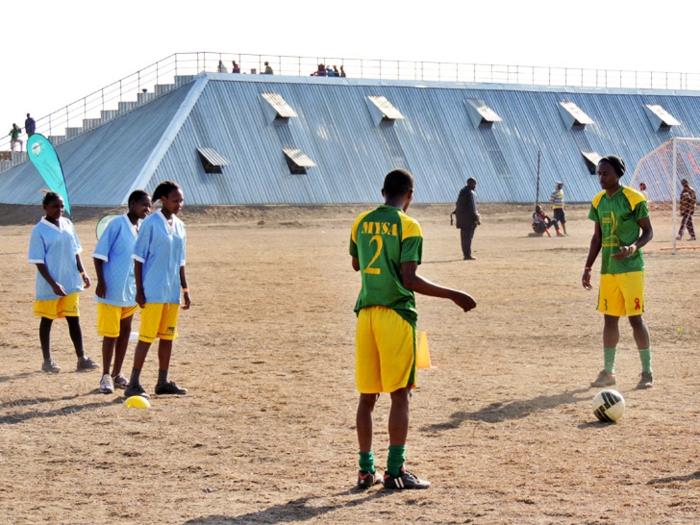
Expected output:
(660, 117)
(335, 128)
(213, 157)
(100, 165)
(279, 105)
(386, 108)
(479, 112)
(572, 114)
(299, 158)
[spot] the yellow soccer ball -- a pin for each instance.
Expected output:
(137, 402)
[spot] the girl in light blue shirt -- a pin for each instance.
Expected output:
(116, 287)
(159, 269)
(55, 249)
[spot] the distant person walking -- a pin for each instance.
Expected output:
(557, 200)
(467, 216)
(29, 126)
(687, 208)
(14, 137)
(268, 69)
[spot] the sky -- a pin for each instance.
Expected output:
(57, 51)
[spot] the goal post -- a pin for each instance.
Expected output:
(661, 171)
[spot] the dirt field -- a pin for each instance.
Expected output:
(502, 425)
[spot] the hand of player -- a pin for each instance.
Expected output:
(465, 301)
(58, 289)
(101, 289)
(188, 301)
(625, 251)
(141, 298)
(586, 279)
(86, 279)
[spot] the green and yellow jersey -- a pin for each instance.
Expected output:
(381, 240)
(618, 217)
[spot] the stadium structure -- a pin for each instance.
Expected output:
(245, 139)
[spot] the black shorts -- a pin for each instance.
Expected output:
(559, 215)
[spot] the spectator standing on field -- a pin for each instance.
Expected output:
(557, 200)
(29, 126)
(467, 216)
(687, 208)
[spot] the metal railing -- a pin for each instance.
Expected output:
(104, 104)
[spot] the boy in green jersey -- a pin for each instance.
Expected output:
(386, 248)
(622, 227)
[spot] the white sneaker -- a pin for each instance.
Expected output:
(106, 384)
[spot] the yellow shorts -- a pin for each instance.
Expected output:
(385, 351)
(66, 306)
(158, 320)
(621, 294)
(109, 317)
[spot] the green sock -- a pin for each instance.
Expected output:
(645, 356)
(609, 359)
(397, 456)
(367, 461)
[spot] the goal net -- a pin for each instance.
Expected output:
(660, 172)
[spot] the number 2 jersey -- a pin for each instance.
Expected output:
(382, 239)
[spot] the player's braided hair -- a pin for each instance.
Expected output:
(164, 188)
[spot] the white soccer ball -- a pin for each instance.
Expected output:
(608, 406)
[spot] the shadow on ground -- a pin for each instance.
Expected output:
(509, 410)
(13, 419)
(675, 479)
(21, 375)
(296, 510)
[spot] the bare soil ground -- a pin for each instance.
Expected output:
(502, 425)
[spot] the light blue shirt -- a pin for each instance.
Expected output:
(56, 247)
(161, 249)
(115, 248)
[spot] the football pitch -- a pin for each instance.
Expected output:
(502, 425)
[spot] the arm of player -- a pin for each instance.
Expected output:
(44, 272)
(138, 277)
(646, 236)
(83, 275)
(185, 289)
(101, 288)
(355, 264)
(415, 282)
(593, 251)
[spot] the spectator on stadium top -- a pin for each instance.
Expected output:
(235, 68)
(268, 69)
(221, 68)
(687, 209)
(29, 126)
(336, 73)
(320, 72)
(14, 137)
(342, 71)
(330, 72)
